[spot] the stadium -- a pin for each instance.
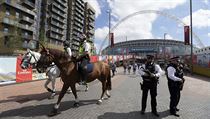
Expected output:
(161, 48)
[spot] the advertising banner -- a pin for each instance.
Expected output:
(22, 75)
(93, 58)
(7, 70)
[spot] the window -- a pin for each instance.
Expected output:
(17, 15)
(7, 12)
(6, 30)
(26, 33)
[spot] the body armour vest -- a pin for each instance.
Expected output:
(151, 68)
(178, 73)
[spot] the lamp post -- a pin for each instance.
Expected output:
(164, 37)
(109, 13)
(191, 36)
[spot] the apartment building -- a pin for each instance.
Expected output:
(54, 21)
(89, 24)
(18, 15)
(50, 20)
(75, 22)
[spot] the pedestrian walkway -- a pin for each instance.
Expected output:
(29, 100)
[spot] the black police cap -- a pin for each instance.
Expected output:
(175, 58)
(150, 56)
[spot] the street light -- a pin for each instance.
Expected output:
(109, 13)
(191, 36)
(164, 37)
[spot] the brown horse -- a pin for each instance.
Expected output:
(70, 75)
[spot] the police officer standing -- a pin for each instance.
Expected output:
(175, 83)
(150, 73)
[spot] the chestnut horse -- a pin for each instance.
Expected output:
(70, 74)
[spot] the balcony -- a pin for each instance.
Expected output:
(58, 13)
(92, 17)
(78, 25)
(27, 19)
(62, 2)
(14, 4)
(58, 18)
(29, 37)
(56, 30)
(28, 3)
(59, 6)
(52, 35)
(57, 24)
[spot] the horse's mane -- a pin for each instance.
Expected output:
(58, 53)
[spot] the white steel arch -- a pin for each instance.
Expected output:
(173, 17)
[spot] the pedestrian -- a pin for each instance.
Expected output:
(113, 68)
(67, 47)
(175, 84)
(124, 66)
(134, 67)
(150, 73)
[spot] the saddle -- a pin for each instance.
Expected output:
(89, 67)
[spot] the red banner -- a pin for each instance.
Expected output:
(112, 39)
(22, 75)
(186, 35)
(93, 58)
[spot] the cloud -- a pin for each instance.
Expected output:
(209, 35)
(140, 26)
(95, 5)
(200, 18)
(206, 2)
(101, 33)
(169, 36)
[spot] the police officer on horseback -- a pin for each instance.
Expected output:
(84, 52)
(176, 80)
(150, 73)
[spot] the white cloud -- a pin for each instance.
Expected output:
(169, 36)
(200, 18)
(101, 33)
(208, 34)
(95, 5)
(206, 2)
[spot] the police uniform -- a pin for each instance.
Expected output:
(150, 73)
(84, 52)
(175, 83)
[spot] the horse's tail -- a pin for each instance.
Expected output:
(108, 82)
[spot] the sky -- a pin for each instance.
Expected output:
(148, 24)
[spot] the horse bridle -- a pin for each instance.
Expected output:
(32, 55)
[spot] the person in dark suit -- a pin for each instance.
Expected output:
(150, 73)
(175, 83)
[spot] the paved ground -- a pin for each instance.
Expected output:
(29, 100)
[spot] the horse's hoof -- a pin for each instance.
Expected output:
(109, 96)
(76, 104)
(99, 102)
(51, 97)
(86, 90)
(68, 91)
(53, 113)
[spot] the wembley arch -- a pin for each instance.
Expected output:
(170, 16)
